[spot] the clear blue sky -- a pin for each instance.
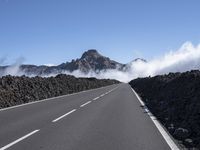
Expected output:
(55, 31)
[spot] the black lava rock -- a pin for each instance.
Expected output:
(19, 90)
(174, 99)
(181, 133)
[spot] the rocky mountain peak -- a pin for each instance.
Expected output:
(92, 53)
(139, 59)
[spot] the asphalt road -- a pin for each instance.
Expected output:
(109, 118)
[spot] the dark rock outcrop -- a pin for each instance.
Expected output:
(181, 133)
(91, 60)
(175, 100)
(19, 90)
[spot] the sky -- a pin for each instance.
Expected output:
(56, 31)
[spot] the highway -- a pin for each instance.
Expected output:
(109, 118)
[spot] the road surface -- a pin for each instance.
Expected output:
(109, 118)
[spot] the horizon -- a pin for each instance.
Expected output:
(49, 32)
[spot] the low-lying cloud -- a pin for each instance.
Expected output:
(186, 58)
(13, 69)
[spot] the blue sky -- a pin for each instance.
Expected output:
(56, 31)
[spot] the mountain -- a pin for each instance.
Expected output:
(90, 60)
(139, 59)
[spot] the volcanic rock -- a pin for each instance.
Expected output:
(175, 96)
(19, 90)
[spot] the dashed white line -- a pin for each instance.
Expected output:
(95, 98)
(102, 95)
(165, 135)
(64, 115)
(18, 140)
(105, 93)
(85, 103)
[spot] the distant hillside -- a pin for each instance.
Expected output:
(175, 100)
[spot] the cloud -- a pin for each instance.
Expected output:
(184, 59)
(49, 65)
(14, 69)
(2, 60)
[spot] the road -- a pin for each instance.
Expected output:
(109, 118)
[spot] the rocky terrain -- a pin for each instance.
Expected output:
(175, 100)
(90, 60)
(19, 90)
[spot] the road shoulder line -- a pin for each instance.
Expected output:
(165, 135)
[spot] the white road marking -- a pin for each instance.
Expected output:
(108, 92)
(142, 103)
(102, 95)
(95, 98)
(165, 135)
(85, 104)
(64, 115)
(52, 98)
(18, 140)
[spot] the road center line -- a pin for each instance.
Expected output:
(85, 103)
(102, 95)
(18, 140)
(95, 98)
(108, 92)
(160, 128)
(64, 115)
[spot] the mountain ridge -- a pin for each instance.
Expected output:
(91, 60)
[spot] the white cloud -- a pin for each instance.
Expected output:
(49, 65)
(14, 69)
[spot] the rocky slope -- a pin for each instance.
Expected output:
(175, 100)
(19, 90)
(91, 60)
